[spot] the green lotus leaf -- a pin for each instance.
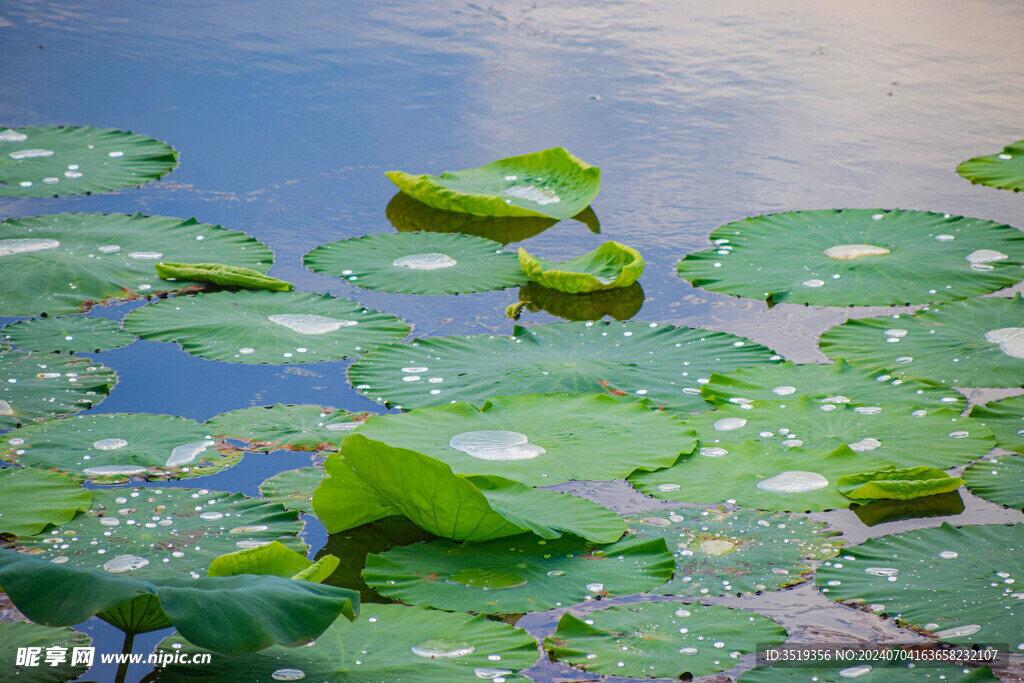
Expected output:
(894, 510)
(893, 434)
(794, 480)
(66, 263)
(880, 671)
(220, 274)
(374, 480)
(977, 343)
(115, 447)
(386, 643)
(410, 215)
(610, 266)
(661, 639)
(901, 484)
(293, 489)
(230, 615)
(15, 635)
(41, 387)
(1004, 170)
(31, 500)
(286, 427)
(632, 361)
(838, 382)
(858, 257)
(956, 583)
(67, 334)
(720, 551)
(154, 532)
(540, 440)
(1006, 419)
(418, 263)
(275, 328)
(1000, 480)
(276, 559)
(550, 183)
(66, 160)
(517, 575)
(620, 304)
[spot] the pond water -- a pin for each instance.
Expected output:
(286, 116)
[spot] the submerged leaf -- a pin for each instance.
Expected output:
(39, 387)
(67, 334)
(620, 304)
(549, 183)
(901, 484)
(31, 500)
(1004, 170)
(221, 274)
(610, 266)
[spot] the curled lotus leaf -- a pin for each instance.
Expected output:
(551, 183)
(610, 266)
(959, 584)
(16, 635)
(276, 559)
(1000, 480)
(286, 427)
(41, 387)
(410, 215)
(858, 257)
(899, 484)
(1004, 170)
(67, 334)
(47, 161)
(221, 274)
(31, 500)
(293, 489)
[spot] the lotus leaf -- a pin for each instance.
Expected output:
(276, 559)
(220, 274)
(858, 257)
(115, 447)
(286, 427)
(838, 382)
(293, 489)
(517, 575)
(999, 480)
(1006, 419)
(410, 215)
(30, 500)
(720, 551)
(661, 639)
(632, 361)
(40, 387)
(900, 484)
(266, 327)
(540, 440)
(67, 334)
(796, 480)
(374, 480)
(99, 258)
(551, 183)
(231, 615)
(880, 671)
(895, 435)
(1004, 170)
(67, 160)
(610, 266)
(621, 304)
(387, 643)
(894, 510)
(148, 533)
(418, 263)
(956, 583)
(977, 343)
(15, 635)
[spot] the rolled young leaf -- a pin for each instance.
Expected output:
(221, 274)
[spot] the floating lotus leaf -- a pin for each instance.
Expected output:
(517, 575)
(220, 274)
(410, 215)
(31, 500)
(375, 480)
(880, 671)
(977, 343)
(40, 387)
(621, 304)
(631, 360)
(550, 183)
(722, 552)
(1004, 170)
(419, 263)
(276, 559)
(899, 484)
(266, 327)
(894, 510)
(114, 447)
(15, 635)
(661, 639)
(386, 643)
(893, 434)
(540, 440)
(286, 427)
(1000, 480)
(293, 489)
(1006, 419)
(234, 614)
(66, 160)
(858, 257)
(838, 382)
(66, 263)
(67, 334)
(796, 480)
(957, 583)
(610, 266)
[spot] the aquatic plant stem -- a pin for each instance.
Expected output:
(126, 649)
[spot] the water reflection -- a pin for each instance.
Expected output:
(881, 511)
(621, 304)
